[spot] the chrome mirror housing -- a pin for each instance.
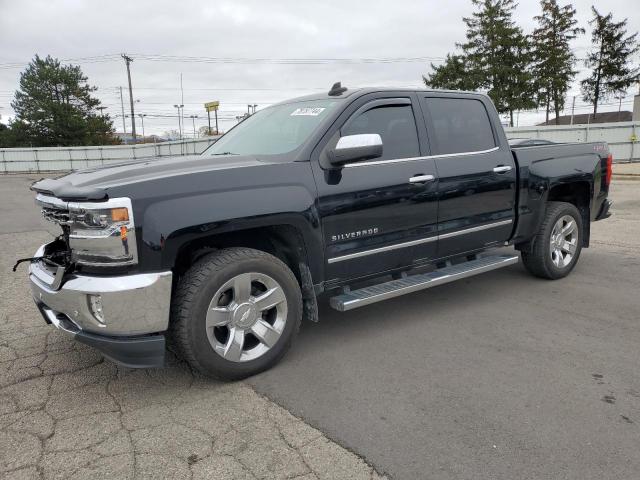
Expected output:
(355, 148)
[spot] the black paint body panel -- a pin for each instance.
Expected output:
(179, 200)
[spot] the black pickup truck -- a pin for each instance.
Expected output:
(360, 195)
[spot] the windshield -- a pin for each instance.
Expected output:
(274, 130)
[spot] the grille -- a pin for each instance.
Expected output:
(60, 216)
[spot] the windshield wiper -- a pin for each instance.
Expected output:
(224, 153)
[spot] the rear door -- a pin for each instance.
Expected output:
(378, 215)
(476, 172)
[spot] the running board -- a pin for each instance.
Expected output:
(421, 281)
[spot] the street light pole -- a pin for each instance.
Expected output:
(124, 124)
(193, 119)
(181, 105)
(179, 121)
(142, 115)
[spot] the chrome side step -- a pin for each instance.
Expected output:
(421, 281)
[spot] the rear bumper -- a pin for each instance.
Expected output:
(604, 210)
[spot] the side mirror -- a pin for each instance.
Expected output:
(356, 148)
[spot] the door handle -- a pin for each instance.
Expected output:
(421, 178)
(502, 169)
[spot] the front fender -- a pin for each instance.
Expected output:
(170, 224)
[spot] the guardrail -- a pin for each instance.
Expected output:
(622, 137)
(51, 159)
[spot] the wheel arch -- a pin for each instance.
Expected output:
(286, 242)
(578, 194)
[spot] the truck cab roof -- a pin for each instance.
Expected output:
(360, 91)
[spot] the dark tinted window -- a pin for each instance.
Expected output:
(460, 125)
(395, 124)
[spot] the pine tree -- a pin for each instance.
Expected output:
(610, 60)
(553, 59)
(454, 74)
(54, 107)
(499, 55)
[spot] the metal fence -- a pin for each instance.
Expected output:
(49, 159)
(622, 137)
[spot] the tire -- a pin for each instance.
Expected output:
(553, 253)
(218, 324)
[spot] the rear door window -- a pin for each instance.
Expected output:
(460, 125)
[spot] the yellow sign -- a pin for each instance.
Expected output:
(211, 106)
(634, 138)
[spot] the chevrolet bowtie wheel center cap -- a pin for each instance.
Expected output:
(245, 315)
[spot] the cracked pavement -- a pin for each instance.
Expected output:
(538, 383)
(66, 413)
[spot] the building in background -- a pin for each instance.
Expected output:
(587, 118)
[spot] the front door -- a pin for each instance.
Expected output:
(381, 214)
(477, 175)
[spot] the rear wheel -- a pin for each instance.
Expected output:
(557, 246)
(236, 312)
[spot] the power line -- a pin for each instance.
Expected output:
(92, 59)
(285, 61)
(242, 60)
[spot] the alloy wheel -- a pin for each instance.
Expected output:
(246, 317)
(563, 241)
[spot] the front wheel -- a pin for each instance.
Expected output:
(557, 245)
(235, 313)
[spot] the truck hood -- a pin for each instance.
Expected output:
(93, 184)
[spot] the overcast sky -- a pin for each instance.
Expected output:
(285, 29)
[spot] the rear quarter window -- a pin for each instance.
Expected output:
(460, 125)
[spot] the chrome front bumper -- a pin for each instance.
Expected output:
(113, 306)
(122, 316)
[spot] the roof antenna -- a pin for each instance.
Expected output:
(337, 89)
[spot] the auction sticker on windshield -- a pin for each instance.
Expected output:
(308, 111)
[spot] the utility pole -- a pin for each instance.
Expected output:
(101, 110)
(127, 61)
(619, 107)
(124, 124)
(573, 107)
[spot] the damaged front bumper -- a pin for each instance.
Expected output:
(122, 316)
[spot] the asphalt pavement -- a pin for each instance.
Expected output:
(66, 413)
(500, 376)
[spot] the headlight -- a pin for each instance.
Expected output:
(102, 218)
(102, 234)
